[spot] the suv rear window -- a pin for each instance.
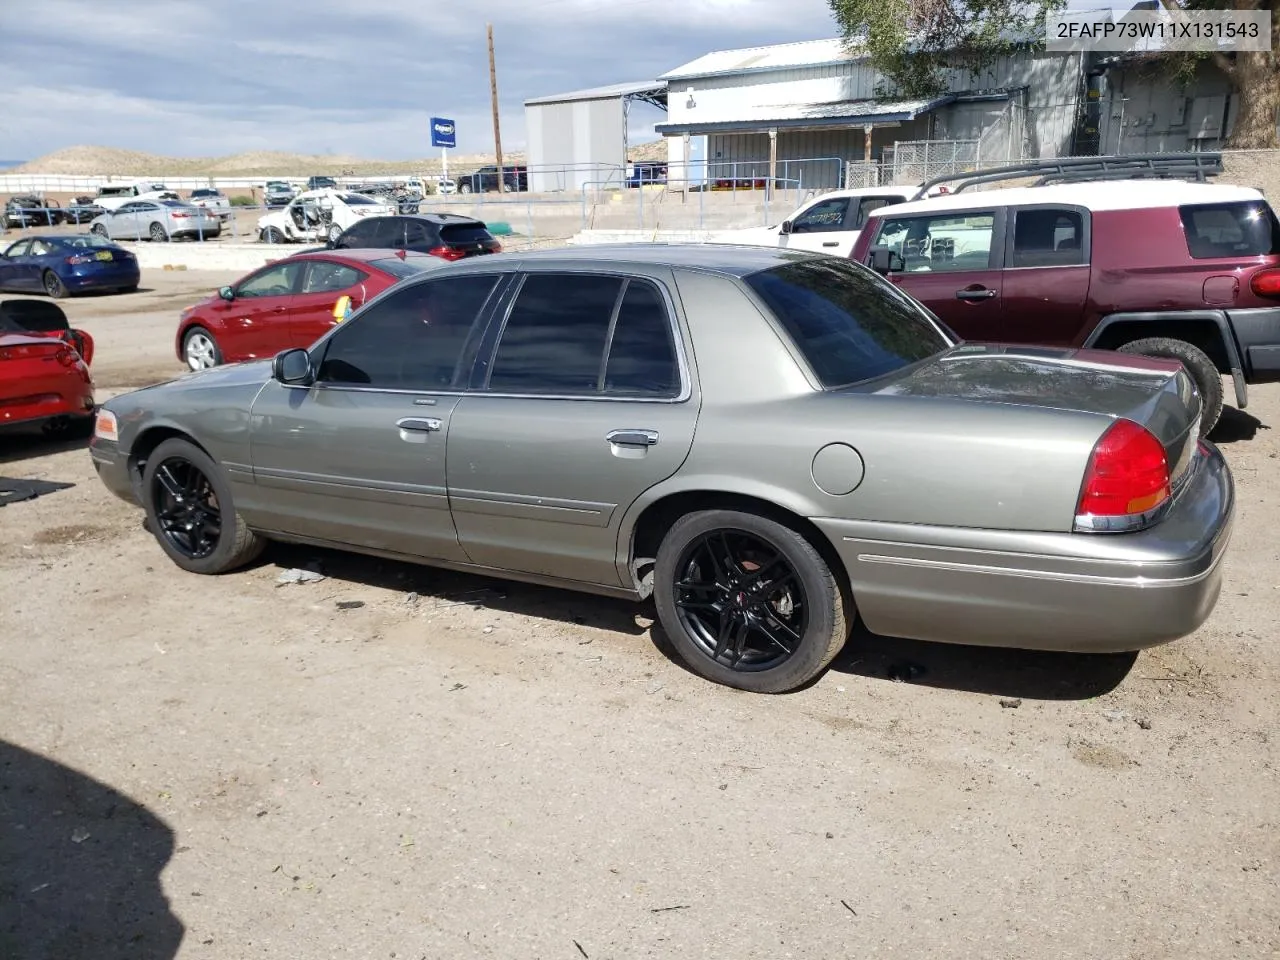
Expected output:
(465, 233)
(849, 324)
(1245, 229)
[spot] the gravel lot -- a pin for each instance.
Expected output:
(401, 763)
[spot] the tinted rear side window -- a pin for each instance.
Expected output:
(847, 323)
(642, 354)
(465, 233)
(1245, 229)
(554, 339)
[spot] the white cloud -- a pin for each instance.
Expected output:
(198, 78)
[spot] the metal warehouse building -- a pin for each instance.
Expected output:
(581, 137)
(809, 113)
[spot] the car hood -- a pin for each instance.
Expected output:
(765, 236)
(250, 373)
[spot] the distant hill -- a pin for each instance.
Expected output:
(113, 161)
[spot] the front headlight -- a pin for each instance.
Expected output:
(104, 427)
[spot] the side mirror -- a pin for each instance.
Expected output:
(226, 293)
(342, 308)
(331, 243)
(292, 366)
(786, 226)
(885, 261)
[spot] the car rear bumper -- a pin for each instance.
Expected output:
(1258, 330)
(1086, 593)
(208, 232)
(124, 274)
(42, 402)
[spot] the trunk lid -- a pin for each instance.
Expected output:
(1154, 393)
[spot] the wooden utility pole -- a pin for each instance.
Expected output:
(497, 129)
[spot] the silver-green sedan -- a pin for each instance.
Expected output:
(771, 444)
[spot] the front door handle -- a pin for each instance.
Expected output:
(633, 438)
(982, 293)
(419, 424)
(831, 243)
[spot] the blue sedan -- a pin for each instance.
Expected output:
(65, 265)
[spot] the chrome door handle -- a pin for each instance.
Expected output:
(831, 243)
(633, 438)
(419, 424)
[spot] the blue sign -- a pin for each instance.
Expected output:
(444, 133)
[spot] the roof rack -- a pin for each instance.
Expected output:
(1138, 166)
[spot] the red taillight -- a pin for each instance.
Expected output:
(1127, 476)
(446, 253)
(497, 248)
(36, 351)
(1266, 283)
(77, 260)
(180, 216)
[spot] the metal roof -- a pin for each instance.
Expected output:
(807, 53)
(840, 113)
(638, 88)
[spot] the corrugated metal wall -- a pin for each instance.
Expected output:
(571, 144)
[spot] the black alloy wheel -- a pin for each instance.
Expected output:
(749, 601)
(187, 510)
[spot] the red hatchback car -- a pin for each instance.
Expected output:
(287, 303)
(44, 368)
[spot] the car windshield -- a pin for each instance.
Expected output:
(847, 322)
(403, 268)
(1246, 229)
(465, 233)
(355, 199)
(89, 241)
(176, 204)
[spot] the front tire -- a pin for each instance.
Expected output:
(749, 602)
(200, 350)
(1201, 369)
(190, 511)
(464, 188)
(335, 232)
(272, 235)
(54, 286)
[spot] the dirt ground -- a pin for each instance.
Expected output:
(401, 763)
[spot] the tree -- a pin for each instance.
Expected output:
(1254, 76)
(914, 42)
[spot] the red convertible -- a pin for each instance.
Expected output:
(287, 303)
(44, 368)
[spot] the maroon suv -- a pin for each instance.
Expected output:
(1152, 266)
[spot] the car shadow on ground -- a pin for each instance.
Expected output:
(80, 867)
(994, 671)
(15, 446)
(1235, 425)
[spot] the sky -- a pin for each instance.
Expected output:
(216, 77)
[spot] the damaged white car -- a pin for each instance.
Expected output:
(315, 216)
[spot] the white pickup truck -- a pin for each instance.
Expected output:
(212, 200)
(116, 195)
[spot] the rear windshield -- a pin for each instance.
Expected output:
(1245, 229)
(849, 324)
(402, 268)
(465, 233)
(85, 242)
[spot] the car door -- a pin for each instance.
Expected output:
(37, 260)
(952, 262)
(581, 403)
(311, 308)
(419, 236)
(358, 457)
(357, 236)
(13, 266)
(122, 223)
(256, 319)
(820, 226)
(1046, 274)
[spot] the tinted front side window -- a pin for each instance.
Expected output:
(822, 217)
(951, 241)
(412, 340)
(1246, 229)
(554, 339)
(848, 323)
(278, 281)
(357, 235)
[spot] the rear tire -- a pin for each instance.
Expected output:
(1203, 371)
(158, 234)
(53, 285)
(778, 619)
(100, 230)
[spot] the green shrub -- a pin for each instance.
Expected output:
(242, 201)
